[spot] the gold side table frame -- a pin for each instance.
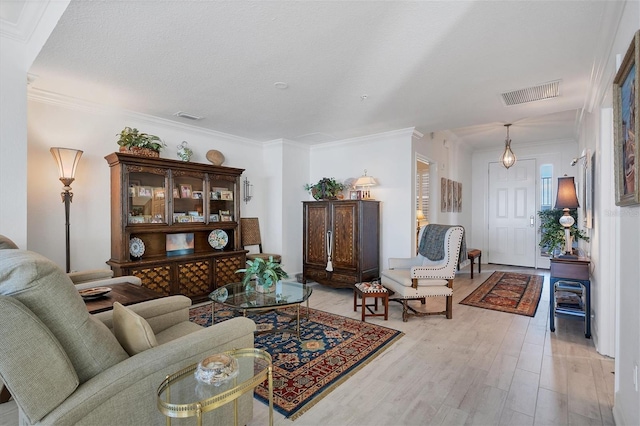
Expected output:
(264, 371)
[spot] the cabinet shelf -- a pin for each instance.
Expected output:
(152, 198)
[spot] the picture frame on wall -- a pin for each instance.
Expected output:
(443, 194)
(449, 195)
(459, 191)
(626, 122)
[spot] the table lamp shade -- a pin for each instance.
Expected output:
(567, 197)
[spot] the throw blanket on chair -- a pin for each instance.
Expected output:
(432, 242)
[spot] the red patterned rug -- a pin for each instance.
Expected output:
(508, 292)
(331, 348)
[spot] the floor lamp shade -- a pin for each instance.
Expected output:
(567, 199)
(67, 160)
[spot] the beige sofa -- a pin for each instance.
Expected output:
(64, 366)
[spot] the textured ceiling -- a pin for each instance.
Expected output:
(432, 65)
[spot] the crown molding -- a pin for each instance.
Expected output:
(30, 16)
(68, 102)
(408, 132)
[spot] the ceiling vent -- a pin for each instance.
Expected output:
(531, 94)
(187, 115)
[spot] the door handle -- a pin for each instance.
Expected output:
(532, 221)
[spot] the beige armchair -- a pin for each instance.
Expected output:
(65, 366)
(419, 277)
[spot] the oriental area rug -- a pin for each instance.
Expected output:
(331, 349)
(508, 292)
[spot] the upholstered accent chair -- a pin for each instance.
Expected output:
(65, 366)
(419, 277)
(250, 230)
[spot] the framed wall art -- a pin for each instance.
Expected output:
(443, 194)
(626, 122)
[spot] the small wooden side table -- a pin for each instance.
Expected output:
(567, 273)
(125, 293)
(382, 294)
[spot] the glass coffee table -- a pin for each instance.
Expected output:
(181, 395)
(243, 299)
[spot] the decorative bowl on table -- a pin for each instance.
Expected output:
(216, 369)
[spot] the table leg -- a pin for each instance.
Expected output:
(270, 381)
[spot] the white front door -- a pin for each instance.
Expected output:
(512, 214)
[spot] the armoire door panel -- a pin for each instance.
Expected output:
(345, 235)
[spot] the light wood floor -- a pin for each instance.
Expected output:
(480, 368)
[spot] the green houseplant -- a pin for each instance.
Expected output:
(325, 189)
(552, 233)
(131, 140)
(266, 273)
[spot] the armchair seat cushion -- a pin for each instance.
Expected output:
(399, 281)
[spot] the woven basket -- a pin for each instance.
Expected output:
(143, 152)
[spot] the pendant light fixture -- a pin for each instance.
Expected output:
(508, 159)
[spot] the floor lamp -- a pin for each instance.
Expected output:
(67, 160)
(567, 199)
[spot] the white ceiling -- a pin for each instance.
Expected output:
(432, 65)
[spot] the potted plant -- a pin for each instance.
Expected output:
(132, 141)
(266, 273)
(552, 233)
(325, 189)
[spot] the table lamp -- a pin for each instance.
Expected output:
(567, 199)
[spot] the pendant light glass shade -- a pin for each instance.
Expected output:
(508, 158)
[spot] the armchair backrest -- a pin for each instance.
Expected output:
(45, 290)
(452, 243)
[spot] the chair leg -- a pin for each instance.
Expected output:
(423, 301)
(449, 310)
(405, 311)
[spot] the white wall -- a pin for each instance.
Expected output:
(449, 158)
(387, 157)
(625, 223)
(13, 141)
(60, 122)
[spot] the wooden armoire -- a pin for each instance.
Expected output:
(346, 232)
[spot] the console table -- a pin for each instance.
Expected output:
(570, 275)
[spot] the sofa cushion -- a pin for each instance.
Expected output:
(30, 355)
(132, 331)
(49, 293)
(6, 243)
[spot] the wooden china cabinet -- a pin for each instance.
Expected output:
(175, 224)
(346, 232)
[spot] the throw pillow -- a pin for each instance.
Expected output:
(132, 331)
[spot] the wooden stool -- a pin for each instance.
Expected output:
(383, 294)
(472, 254)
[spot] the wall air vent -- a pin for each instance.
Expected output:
(187, 115)
(531, 94)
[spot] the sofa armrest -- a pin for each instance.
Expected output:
(126, 392)
(404, 262)
(130, 279)
(160, 313)
(79, 277)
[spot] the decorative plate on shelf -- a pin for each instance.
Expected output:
(218, 239)
(94, 293)
(136, 247)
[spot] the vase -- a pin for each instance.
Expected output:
(265, 289)
(184, 152)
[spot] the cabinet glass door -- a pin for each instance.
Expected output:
(221, 200)
(188, 198)
(147, 198)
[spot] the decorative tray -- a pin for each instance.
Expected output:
(94, 293)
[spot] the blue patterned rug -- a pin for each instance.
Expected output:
(331, 348)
